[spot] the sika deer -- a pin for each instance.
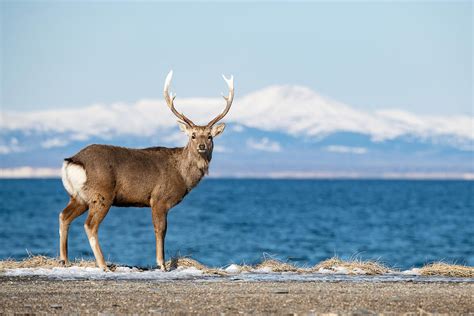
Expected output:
(100, 176)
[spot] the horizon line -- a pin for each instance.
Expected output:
(27, 172)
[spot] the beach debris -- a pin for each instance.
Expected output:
(281, 291)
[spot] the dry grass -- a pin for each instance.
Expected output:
(186, 262)
(450, 270)
(277, 266)
(354, 266)
(42, 262)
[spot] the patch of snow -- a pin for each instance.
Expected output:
(28, 172)
(121, 273)
(233, 269)
(263, 270)
(325, 271)
(414, 271)
(335, 274)
(340, 270)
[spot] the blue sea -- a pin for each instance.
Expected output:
(400, 223)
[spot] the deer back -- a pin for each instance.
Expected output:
(124, 176)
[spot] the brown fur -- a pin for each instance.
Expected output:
(158, 177)
(132, 177)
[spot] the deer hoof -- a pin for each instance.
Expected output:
(162, 267)
(63, 262)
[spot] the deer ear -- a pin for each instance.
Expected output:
(184, 127)
(217, 129)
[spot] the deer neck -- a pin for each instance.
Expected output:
(193, 166)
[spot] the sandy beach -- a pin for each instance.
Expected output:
(40, 295)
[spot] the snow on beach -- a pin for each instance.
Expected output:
(184, 268)
(120, 273)
(232, 272)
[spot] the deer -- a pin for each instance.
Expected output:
(101, 176)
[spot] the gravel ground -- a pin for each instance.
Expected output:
(46, 296)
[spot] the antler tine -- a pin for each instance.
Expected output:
(228, 99)
(170, 99)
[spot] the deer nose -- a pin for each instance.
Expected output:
(202, 146)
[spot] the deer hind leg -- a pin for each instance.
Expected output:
(98, 209)
(159, 213)
(74, 209)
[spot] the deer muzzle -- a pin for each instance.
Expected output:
(202, 148)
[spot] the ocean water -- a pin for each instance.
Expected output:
(400, 223)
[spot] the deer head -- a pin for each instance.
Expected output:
(200, 137)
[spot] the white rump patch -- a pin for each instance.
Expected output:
(74, 177)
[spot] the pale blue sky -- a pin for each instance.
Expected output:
(414, 56)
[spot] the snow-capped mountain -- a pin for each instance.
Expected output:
(280, 131)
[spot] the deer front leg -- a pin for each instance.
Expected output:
(159, 213)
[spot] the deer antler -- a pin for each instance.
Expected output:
(170, 98)
(228, 99)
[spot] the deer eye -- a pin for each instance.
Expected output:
(193, 136)
(209, 137)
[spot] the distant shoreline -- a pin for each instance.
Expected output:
(54, 173)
